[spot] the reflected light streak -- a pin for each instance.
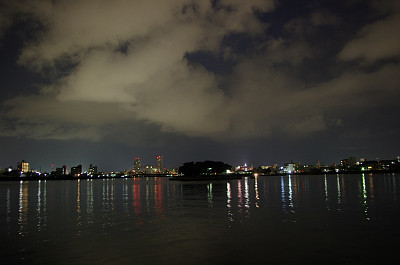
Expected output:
(78, 209)
(105, 195)
(326, 192)
(8, 210)
(89, 200)
(147, 194)
(290, 193)
(246, 193)
(365, 197)
(339, 193)
(228, 201)
(112, 194)
(44, 210)
(210, 195)
(371, 187)
(39, 206)
(256, 189)
(394, 186)
(283, 197)
(326, 187)
(23, 208)
(240, 193)
(136, 200)
(158, 195)
(125, 195)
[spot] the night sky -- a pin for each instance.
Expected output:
(257, 81)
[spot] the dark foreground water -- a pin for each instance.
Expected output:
(334, 219)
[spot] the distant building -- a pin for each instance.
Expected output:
(150, 170)
(369, 165)
(388, 165)
(23, 166)
(92, 170)
(243, 169)
(288, 168)
(160, 164)
(61, 171)
(136, 165)
(76, 171)
(348, 163)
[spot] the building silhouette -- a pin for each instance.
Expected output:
(61, 171)
(76, 171)
(92, 170)
(23, 166)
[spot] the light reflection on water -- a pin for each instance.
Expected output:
(157, 221)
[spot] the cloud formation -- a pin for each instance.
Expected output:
(120, 63)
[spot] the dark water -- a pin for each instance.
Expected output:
(334, 219)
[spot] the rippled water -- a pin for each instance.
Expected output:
(334, 219)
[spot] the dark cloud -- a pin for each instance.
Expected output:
(222, 71)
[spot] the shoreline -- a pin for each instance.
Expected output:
(189, 178)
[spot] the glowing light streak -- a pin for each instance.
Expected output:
(326, 192)
(39, 206)
(246, 193)
(290, 193)
(210, 195)
(365, 197)
(78, 210)
(339, 193)
(283, 197)
(256, 189)
(23, 208)
(228, 201)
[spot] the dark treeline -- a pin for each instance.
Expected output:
(204, 168)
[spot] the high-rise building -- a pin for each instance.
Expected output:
(92, 170)
(136, 164)
(160, 165)
(23, 166)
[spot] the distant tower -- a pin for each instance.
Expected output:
(136, 164)
(160, 165)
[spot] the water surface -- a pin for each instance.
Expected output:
(333, 219)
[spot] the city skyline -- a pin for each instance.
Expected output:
(258, 81)
(158, 167)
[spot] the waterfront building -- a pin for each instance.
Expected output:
(244, 169)
(76, 171)
(369, 165)
(288, 168)
(348, 163)
(388, 164)
(23, 166)
(160, 165)
(61, 171)
(92, 170)
(136, 165)
(150, 170)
